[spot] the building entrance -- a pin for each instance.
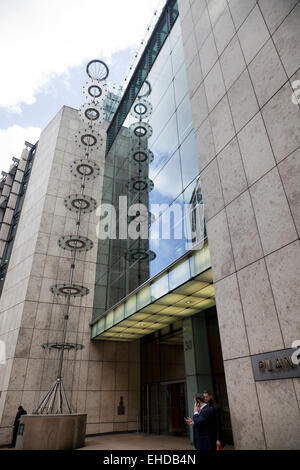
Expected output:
(164, 406)
(164, 401)
(176, 362)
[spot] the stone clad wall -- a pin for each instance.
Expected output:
(242, 57)
(52, 432)
(98, 375)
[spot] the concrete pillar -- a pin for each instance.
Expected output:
(196, 356)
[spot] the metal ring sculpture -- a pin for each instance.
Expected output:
(145, 94)
(142, 109)
(89, 140)
(139, 183)
(65, 289)
(85, 168)
(91, 113)
(149, 219)
(140, 130)
(95, 91)
(75, 243)
(80, 203)
(97, 70)
(139, 254)
(141, 155)
(65, 346)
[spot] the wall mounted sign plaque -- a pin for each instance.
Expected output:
(275, 365)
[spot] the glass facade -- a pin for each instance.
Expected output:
(151, 163)
(111, 103)
(153, 48)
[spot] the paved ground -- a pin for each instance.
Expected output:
(136, 441)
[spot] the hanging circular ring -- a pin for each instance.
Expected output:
(75, 243)
(139, 254)
(85, 168)
(80, 202)
(145, 94)
(140, 130)
(141, 109)
(150, 218)
(97, 70)
(141, 155)
(91, 113)
(93, 90)
(141, 184)
(65, 346)
(75, 290)
(89, 138)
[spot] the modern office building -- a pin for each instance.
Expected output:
(209, 125)
(13, 187)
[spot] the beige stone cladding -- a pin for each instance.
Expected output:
(97, 376)
(242, 59)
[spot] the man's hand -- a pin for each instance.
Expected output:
(189, 421)
(196, 408)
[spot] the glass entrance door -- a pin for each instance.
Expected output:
(176, 408)
(164, 402)
(164, 408)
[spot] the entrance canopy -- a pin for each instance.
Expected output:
(181, 291)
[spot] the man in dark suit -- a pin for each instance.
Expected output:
(217, 417)
(203, 424)
(20, 412)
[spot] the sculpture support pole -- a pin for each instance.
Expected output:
(61, 356)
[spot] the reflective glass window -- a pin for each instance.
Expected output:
(184, 118)
(163, 112)
(175, 34)
(189, 160)
(164, 146)
(160, 76)
(180, 85)
(167, 183)
(162, 172)
(177, 55)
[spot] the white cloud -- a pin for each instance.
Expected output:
(45, 38)
(12, 143)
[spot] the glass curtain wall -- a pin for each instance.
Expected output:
(152, 161)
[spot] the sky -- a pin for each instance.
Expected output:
(45, 46)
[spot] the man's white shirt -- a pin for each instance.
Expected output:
(201, 408)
